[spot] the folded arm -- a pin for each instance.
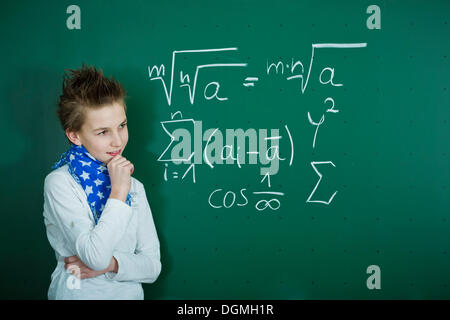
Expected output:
(144, 264)
(93, 244)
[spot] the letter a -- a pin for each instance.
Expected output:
(374, 281)
(73, 281)
(374, 21)
(73, 21)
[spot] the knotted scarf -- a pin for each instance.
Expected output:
(91, 174)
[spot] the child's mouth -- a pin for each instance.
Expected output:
(114, 153)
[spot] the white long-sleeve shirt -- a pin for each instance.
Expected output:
(127, 233)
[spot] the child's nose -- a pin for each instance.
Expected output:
(117, 140)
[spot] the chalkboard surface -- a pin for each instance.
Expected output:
(289, 149)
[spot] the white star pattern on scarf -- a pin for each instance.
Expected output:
(94, 177)
(86, 163)
(88, 190)
(85, 175)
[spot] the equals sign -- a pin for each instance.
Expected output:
(250, 83)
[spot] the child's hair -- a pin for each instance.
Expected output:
(84, 88)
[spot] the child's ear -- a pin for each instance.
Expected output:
(73, 137)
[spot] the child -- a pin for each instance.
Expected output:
(97, 216)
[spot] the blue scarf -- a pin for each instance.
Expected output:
(91, 174)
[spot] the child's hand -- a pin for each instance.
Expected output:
(120, 170)
(84, 271)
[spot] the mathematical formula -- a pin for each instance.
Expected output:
(191, 145)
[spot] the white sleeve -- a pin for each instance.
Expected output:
(94, 245)
(144, 264)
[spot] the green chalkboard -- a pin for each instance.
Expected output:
(289, 149)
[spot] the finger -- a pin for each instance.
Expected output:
(124, 164)
(114, 159)
(74, 271)
(71, 266)
(70, 259)
(117, 156)
(130, 167)
(120, 162)
(87, 275)
(84, 270)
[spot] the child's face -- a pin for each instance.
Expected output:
(112, 136)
